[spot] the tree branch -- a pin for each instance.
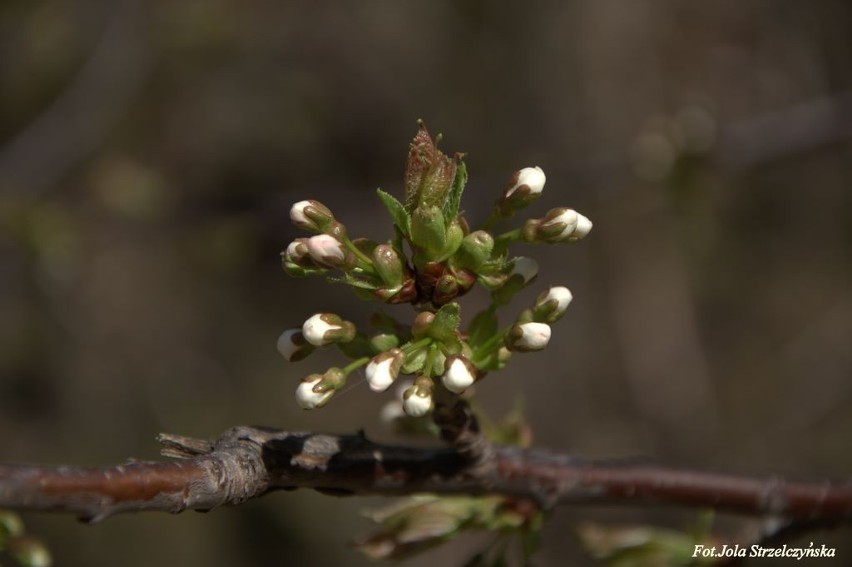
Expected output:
(247, 462)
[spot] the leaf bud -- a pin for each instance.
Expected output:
(388, 264)
(475, 249)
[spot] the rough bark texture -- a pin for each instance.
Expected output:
(246, 462)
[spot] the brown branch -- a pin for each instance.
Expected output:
(247, 462)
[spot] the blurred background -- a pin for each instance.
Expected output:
(149, 153)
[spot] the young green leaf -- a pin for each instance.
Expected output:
(397, 211)
(451, 207)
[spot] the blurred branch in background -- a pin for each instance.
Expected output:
(79, 119)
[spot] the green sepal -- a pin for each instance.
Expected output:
(401, 218)
(294, 270)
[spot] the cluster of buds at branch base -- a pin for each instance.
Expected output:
(317, 389)
(558, 225)
(326, 328)
(293, 346)
(524, 188)
(417, 400)
(441, 283)
(383, 369)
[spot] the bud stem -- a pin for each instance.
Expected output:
(430, 360)
(483, 351)
(502, 242)
(493, 219)
(364, 261)
(355, 364)
(414, 347)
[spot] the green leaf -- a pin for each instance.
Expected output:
(451, 207)
(447, 320)
(397, 212)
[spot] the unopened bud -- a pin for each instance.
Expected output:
(417, 400)
(327, 251)
(528, 337)
(293, 346)
(524, 187)
(383, 369)
(526, 268)
(420, 327)
(475, 249)
(455, 235)
(551, 304)
(388, 264)
(307, 397)
(325, 328)
(297, 252)
(584, 227)
(428, 230)
(558, 225)
(446, 289)
(459, 374)
(311, 215)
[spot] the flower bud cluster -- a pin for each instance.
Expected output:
(445, 260)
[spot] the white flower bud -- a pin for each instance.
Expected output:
(325, 328)
(326, 250)
(460, 374)
(307, 398)
(569, 218)
(551, 305)
(293, 346)
(315, 219)
(525, 267)
(532, 177)
(527, 337)
(584, 226)
(383, 369)
(416, 405)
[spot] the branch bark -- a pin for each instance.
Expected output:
(248, 462)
